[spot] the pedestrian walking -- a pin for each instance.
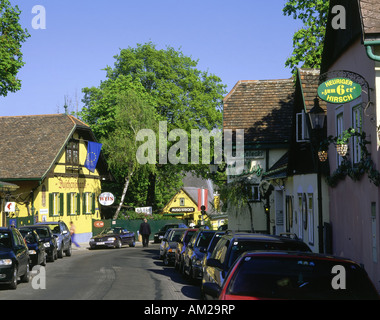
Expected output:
(145, 232)
(72, 232)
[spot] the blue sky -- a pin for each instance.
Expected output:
(235, 40)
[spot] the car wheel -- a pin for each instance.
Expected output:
(68, 251)
(118, 244)
(60, 251)
(13, 284)
(26, 277)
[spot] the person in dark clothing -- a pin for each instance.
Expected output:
(145, 232)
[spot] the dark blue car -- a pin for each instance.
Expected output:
(37, 252)
(113, 238)
(14, 257)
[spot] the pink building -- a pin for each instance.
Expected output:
(354, 192)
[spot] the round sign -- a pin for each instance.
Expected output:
(98, 224)
(106, 199)
(339, 90)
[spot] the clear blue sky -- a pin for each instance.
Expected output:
(234, 39)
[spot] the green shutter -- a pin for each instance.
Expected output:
(93, 203)
(68, 203)
(84, 202)
(51, 204)
(78, 204)
(61, 203)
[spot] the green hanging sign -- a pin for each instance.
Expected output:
(339, 90)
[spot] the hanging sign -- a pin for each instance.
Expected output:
(106, 199)
(339, 90)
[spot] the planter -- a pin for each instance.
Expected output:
(342, 149)
(322, 155)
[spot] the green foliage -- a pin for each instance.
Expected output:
(11, 38)
(184, 96)
(308, 41)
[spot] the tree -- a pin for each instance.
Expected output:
(182, 95)
(132, 115)
(308, 41)
(11, 38)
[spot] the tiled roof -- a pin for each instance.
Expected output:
(370, 12)
(309, 80)
(29, 145)
(263, 108)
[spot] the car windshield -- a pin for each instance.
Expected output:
(27, 235)
(43, 232)
(175, 235)
(112, 231)
(188, 236)
(298, 278)
(5, 239)
(214, 241)
(240, 246)
(204, 239)
(53, 227)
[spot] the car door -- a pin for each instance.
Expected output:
(21, 252)
(66, 235)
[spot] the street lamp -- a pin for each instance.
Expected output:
(317, 119)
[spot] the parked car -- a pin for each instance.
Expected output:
(37, 252)
(160, 234)
(62, 232)
(300, 276)
(195, 250)
(214, 240)
(233, 244)
(113, 238)
(170, 245)
(181, 247)
(14, 257)
(163, 242)
(48, 239)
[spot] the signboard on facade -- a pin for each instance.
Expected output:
(106, 199)
(10, 207)
(182, 210)
(98, 224)
(146, 210)
(339, 90)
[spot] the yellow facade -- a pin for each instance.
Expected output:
(183, 206)
(68, 191)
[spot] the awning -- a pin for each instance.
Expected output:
(8, 187)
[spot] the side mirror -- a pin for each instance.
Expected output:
(211, 289)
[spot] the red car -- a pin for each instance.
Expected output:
(296, 276)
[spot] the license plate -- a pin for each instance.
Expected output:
(100, 243)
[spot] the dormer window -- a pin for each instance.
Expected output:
(72, 153)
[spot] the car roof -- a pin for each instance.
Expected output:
(33, 226)
(5, 228)
(299, 254)
(258, 236)
(49, 222)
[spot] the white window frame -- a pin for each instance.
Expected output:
(310, 216)
(357, 124)
(302, 130)
(339, 131)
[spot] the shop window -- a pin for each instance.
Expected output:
(88, 203)
(73, 203)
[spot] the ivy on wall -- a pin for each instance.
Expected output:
(346, 168)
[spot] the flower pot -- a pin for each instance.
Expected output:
(322, 155)
(342, 149)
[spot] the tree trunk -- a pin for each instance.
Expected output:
(127, 179)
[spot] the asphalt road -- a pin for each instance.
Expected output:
(106, 274)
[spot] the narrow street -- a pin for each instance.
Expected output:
(108, 274)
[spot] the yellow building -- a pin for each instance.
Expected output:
(184, 205)
(45, 156)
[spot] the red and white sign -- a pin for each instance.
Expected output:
(98, 224)
(10, 207)
(202, 198)
(106, 199)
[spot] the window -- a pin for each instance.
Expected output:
(255, 193)
(72, 153)
(357, 125)
(302, 132)
(310, 215)
(73, 203)
(182, 202)
(88, 203)
(339, 130)
(56, 204)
